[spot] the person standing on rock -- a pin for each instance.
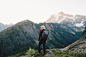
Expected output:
(42, 39)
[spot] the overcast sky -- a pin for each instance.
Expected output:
(13, 11)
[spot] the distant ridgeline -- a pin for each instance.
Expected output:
(23, 35)
(3, 27)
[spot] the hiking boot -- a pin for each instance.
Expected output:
(39, 53)
(43, 55)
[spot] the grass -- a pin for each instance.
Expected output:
(34, 53)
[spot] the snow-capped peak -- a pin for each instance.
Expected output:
(57, 16)
(61, 17)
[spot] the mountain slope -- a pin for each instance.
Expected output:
(24, 34)
(79, 45)
(14, 39)
(72, 29)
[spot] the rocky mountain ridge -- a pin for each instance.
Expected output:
(77, 20)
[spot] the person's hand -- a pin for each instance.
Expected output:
(38, 41)
(46, 41)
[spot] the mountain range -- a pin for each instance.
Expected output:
(23, 35)
(77, 20)
(71, 23)
(63, 31)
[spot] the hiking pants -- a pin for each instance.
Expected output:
(42, 42)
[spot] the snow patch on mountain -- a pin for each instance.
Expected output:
(57, 16)
(73, 32)
(62, 19)
(73, 18)
(52, 20)
(80, 24)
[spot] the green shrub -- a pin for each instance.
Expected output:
(29, 56)
(66, 56)
(31, 51)
(38, 55)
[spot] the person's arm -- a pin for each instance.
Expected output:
(46, 41)
(39, 36)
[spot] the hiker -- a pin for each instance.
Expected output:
(42, 40)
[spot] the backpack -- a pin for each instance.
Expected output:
(45, 34)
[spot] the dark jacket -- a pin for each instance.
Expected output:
(40, 35)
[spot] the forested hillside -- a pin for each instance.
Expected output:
(24, 34)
